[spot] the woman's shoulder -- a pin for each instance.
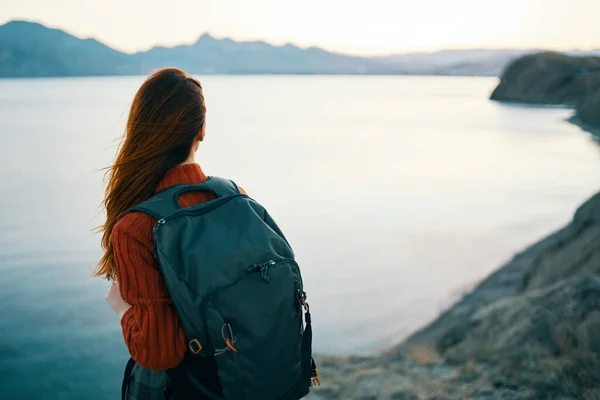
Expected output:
(136, 224)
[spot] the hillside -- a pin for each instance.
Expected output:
(528, 331)
(555, 79)
(29, 49)
(211, 55)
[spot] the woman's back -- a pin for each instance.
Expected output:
(211, 292)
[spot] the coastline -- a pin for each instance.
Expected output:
(592, 130)
(522, 333)
(575, 119)
(526, 331)
(526, 104)
(551, 78)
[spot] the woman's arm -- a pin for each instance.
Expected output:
(151, 329)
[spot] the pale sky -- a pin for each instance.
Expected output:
(351, 26)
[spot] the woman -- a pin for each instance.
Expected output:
(166, 124)
(229, 267)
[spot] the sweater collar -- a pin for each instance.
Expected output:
(182, 174)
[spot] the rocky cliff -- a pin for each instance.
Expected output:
(528, 331)
(549, 78)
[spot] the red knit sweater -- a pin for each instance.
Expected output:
(151, 329)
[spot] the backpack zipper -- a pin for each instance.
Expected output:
(253, 268)
(158, 224)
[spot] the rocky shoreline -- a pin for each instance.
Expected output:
(528, 331)
(550, 78)
(593, 130)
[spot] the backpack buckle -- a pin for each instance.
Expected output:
(195, 346)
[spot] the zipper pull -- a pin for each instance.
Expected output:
(263, 268)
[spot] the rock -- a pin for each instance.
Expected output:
(569, 252)
(531, 327)
(403, 396)
(545, 318)
(588, 330)
(550, 78)
(587, 109)
(323, 393)
(484, 392)
(576, 249)
(587, 114)
(450, 327)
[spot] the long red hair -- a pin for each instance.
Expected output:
(165, 119)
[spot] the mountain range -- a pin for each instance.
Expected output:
(29, 49)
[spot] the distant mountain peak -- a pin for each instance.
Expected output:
(23, 22)
(18, 24)
(206, 37)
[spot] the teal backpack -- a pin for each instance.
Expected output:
(239, 296)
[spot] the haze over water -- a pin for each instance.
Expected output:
(397, 194)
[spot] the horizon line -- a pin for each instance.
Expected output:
(339, 52)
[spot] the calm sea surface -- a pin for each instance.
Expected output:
(397, 193)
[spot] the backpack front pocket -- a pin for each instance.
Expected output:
(255, 330)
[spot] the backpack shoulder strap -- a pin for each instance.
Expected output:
(165, 203)
(127, 378)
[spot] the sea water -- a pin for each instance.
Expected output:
(398, 194)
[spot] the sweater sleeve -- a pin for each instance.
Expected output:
(151, 328)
